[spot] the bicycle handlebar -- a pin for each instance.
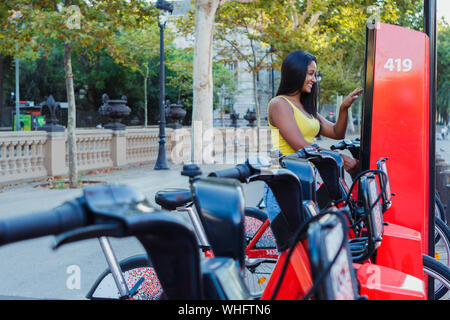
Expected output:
(67, 216)
(339, 146)
(347, 144)
(241, 172)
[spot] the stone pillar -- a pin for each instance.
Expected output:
(119, 148)
(55, 153)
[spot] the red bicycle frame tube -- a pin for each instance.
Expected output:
(260, 253)
(297, 279)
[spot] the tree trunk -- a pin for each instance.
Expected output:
(71, 118)
(145, 101)
(202, 74)
(257, 109)
(1, 88)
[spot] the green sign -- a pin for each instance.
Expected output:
(40, 121)
(25, 122)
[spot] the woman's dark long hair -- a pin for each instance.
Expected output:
(293, 74)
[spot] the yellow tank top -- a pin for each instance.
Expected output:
(309, 126)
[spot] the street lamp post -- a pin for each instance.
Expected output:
(319, 78)
(17, 95)
(166, 9)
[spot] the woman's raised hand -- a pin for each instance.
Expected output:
(348, 101)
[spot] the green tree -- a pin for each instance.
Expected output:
(224, 82)
(136, 48)
(179, 75)
(75, 25)
(21, 47)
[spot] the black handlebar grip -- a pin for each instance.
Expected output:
(340, 146)
(67, 216)
(241, 172)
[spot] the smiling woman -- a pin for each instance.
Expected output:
(293, 118)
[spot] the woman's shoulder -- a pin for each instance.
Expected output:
(279, 110)
(278, 103)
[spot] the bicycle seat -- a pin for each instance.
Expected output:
(172, 198)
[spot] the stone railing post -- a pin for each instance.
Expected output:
(119, 148)
(55, 153)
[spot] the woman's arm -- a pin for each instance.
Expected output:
(337, 130)
(281, 116)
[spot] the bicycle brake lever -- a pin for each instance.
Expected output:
(90, 232)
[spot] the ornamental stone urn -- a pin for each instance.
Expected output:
(114, 111)
(234, 117)
(250, 116)
(174, 114)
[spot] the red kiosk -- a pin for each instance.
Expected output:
(398, 122)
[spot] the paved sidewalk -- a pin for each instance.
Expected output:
(28, 197)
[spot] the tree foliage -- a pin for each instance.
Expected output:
(332, 30)
(81, 26)
(443, 71)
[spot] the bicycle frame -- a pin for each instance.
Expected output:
(376, 282)
(391, 281)
(250, 250)
(400, 245)
(253, 252)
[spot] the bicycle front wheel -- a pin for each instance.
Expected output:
(259, 268)
(254, 220)
(440, 273)
(139, 275)
(439, 208)
(442, 242)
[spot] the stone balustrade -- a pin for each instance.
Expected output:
(40, 154)
(94, 149)
(22, 155)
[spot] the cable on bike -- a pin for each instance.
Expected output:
(369, 210)
(359, 175)
(294, 241)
